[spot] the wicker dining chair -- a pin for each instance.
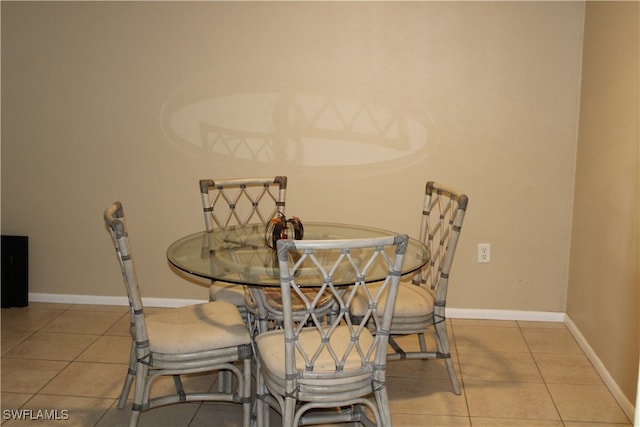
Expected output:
(228, 202)
(320, 369)
(421, 302)
(186, 340)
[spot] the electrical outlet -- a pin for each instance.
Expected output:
(484, 252)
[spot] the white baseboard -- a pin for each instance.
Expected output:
(454, 313)
(534, 316)
(608, 380)
(105, 300)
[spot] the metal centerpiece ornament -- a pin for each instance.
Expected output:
(282, 227)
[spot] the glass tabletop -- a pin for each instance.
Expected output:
(239, 254)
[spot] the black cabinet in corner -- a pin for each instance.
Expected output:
(15, 271)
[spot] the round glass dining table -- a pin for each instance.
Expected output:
(239, 254)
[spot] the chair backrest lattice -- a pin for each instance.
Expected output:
(316, 344)
(442, 217)
(242, 201)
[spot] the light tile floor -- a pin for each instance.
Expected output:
(74, 358)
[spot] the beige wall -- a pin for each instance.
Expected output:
(603, 299)
(358, 103)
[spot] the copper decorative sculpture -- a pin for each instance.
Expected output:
(282, 227)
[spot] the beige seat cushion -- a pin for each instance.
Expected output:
(412, 301)
(196, 328)
(222, 291)
(274, 298)
(271, 347)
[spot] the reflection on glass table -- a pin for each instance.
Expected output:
(239, 254)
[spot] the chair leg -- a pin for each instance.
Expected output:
(178, 384)
(423, 343)
(382, 400)
(443, 348)
(396, 348)
(381, 408)
(126, 388)
(288, 412)
(262, 408)
(364, 419)
(128, 381)
(452, 376)
(245, 392)
(263, 324)
(224, 381)
(139, 402)
(135, 415)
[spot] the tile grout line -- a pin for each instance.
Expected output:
(193, 421)
(461, 379)
(544, 381)
(37, 393)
